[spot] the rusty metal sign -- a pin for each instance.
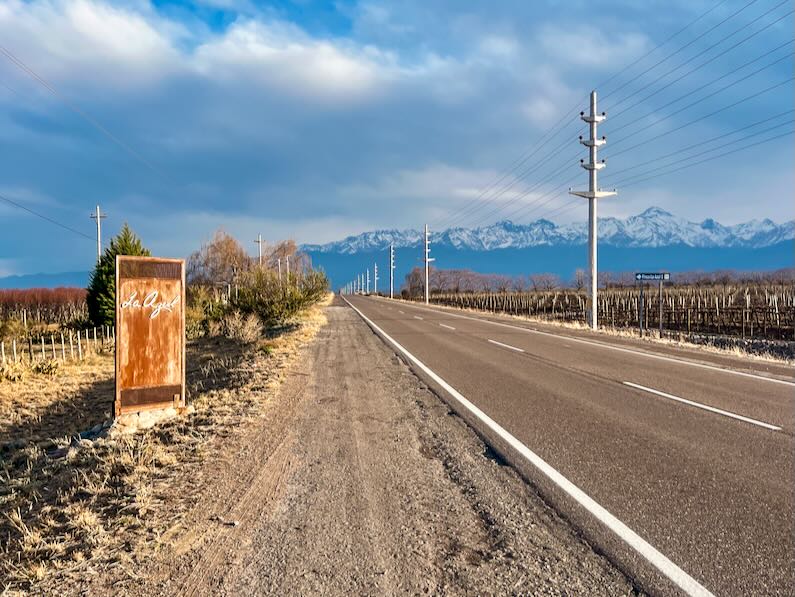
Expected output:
(150, 333)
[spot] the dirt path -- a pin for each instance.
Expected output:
(358, 480)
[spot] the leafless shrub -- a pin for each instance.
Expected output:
(48, 367)
(239, 326)
(12, 372)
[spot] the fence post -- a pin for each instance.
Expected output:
(743, 318)
(52, 344)
(640, 310)
(79, 346)
(3, 350)
(14, 349)
(63, 348)
(30, 348)
(71, 346)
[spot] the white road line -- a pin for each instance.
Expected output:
(417, 317)
(449, 327)
(678, 576)
(399, 311)
(725, 413)
(505, 345)
(639, 353)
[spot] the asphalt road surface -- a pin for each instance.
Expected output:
(679, 465)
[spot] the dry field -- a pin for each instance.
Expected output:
(71, 507)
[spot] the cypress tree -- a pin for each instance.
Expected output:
(101, 297)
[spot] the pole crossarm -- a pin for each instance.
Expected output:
(593, 194)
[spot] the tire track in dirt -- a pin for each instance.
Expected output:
(357, 480)
(256, 499)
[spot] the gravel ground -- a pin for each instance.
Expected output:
(359, 480)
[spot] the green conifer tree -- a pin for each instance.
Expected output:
(101, 297)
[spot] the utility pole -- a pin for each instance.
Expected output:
(427, 264)
(593, 118)
(259, 248)
(98, 216)
(391, 271)
(375, 278)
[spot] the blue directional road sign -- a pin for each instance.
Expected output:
(656, 277)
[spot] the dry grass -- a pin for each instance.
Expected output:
(41, 405)
(69, 507)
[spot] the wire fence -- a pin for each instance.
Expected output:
(62, 345)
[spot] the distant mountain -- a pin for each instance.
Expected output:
(653, 228)
(78, 279)
(650, 241)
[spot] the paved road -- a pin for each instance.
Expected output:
(694, 456)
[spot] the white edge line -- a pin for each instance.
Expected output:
(678, 576)
(619, 348)
(505, 345)
(725, 413)
(449, 327)
(417, 317)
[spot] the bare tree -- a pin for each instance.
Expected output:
(219, 261)
(545, 282)
(579, 279)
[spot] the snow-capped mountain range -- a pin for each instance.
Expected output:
(654, 227)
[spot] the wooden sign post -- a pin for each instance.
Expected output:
(150, 334)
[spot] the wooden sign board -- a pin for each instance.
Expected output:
(150, 333)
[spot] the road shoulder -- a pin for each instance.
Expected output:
(360, 480)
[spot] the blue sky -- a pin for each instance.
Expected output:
(315, 120)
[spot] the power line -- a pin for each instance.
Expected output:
(704, 117)
(660, 45)
(697, 68)
(626, 182)
(489, 200)
(550, 196)
(31, 73)
(694, 145)
(43, 217)
(569, 206)
(516, 164)
(706, 97)
(688, 44)
(622, 182)
(481, 196)
(561, 168)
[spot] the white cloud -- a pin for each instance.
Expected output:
(119, 47)
(283, 57)
(584, 45)
(405, 116)
(438, 182)
(8, 267)
(181, 232)
(90, 41)
(499, 46)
